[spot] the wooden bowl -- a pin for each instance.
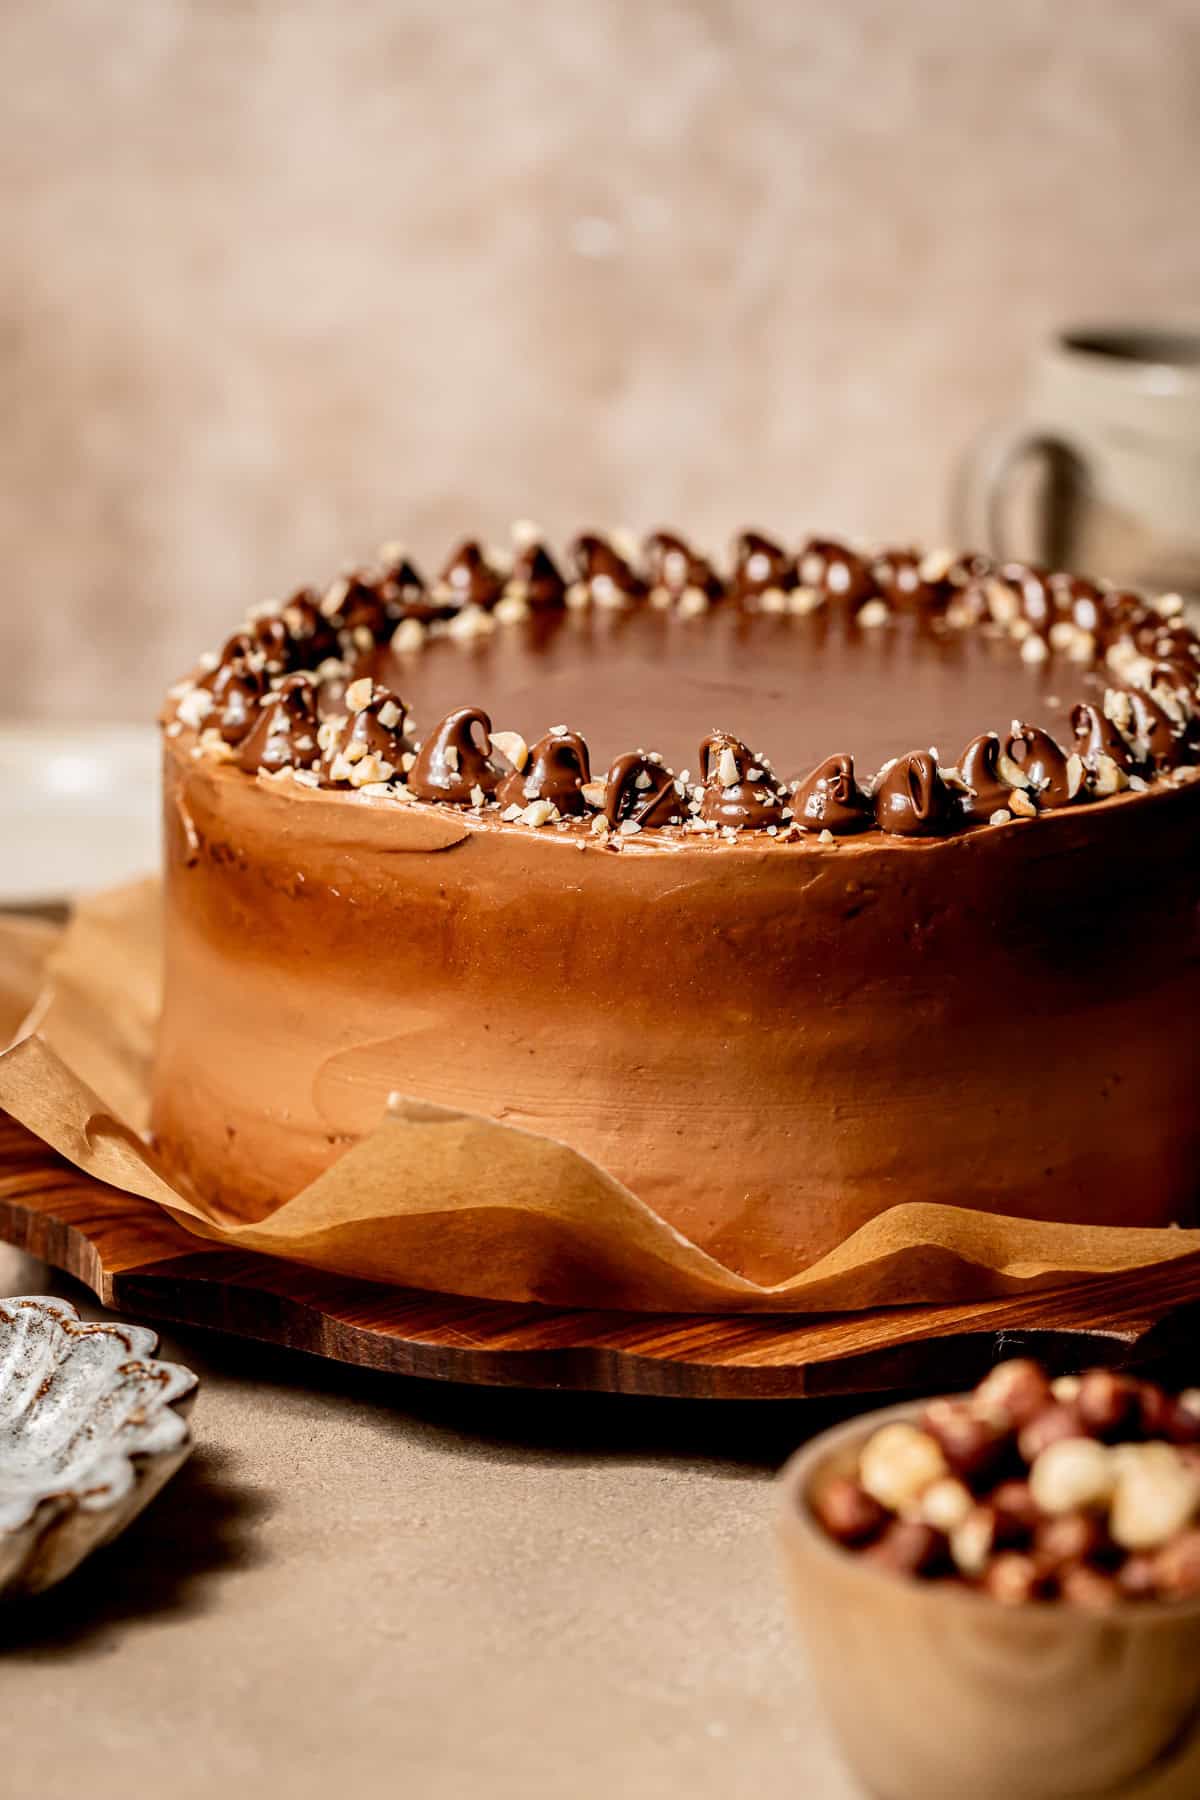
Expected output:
(940, 1693)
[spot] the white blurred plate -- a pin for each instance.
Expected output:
(78, 809)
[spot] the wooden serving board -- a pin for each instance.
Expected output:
(135, 1260)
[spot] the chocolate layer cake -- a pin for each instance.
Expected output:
(786, 892)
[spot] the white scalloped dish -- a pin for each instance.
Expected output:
(91, 1426)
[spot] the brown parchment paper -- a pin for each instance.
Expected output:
(448, 1200)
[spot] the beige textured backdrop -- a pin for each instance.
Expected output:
(285, 278)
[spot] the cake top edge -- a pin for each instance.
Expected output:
(293, 696)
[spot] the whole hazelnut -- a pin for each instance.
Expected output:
(898, 1463)
(945, 1504)
(1156, 1496)
(1071, 1537)
(1183, 1420)
(1013, 1392)
(1016, 1513)
(1089, 1588)
(1014, 1578)
(1177, 1567)
(971, 1442)
(846, 1511)
(1057, 1421)
(973, 1541)
(907, 1547)
(1072, 1474)
(1107, 1404)
(1155, 1407)
(1137, 1577)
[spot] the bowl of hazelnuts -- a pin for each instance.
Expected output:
(999, 1591)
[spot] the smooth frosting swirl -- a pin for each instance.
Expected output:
(830, 799)
(641, 792)
(911, 799)
(453, 764)
(558, 770)
(285, 734)
(739, 789)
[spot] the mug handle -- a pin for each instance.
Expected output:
(982, 484)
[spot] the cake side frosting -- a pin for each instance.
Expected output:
(768, 1044)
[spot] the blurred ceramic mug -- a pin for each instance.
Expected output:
(1113, 425)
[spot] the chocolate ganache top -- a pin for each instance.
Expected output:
(628, 688)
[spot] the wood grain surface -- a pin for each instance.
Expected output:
(137, 1261)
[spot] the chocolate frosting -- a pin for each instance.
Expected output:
(470, 578)
(274, 643)
(372, 732)
(1173, 639)
(1156, 734)
(407, 594)
(557, 770)
(452, 764)
(978, 766)
(604, 570)
(911, 799)
(641, 792)
(896, 575)
(830, 798)
(358, 609)
(1096, 736)
(402, 586)
(1078, 600)
(759, 564)
(237, 684)
(1031, 586)
(536, 578)
(739, 789)
(1043, 763)
(835, 570)
(284, 736)
(674, 567)
(311, 634)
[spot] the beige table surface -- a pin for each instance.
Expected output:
(365, 1587)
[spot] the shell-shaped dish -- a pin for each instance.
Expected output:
(91, 1426)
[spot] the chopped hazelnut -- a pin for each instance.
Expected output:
(512, 747)
(873, 614)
